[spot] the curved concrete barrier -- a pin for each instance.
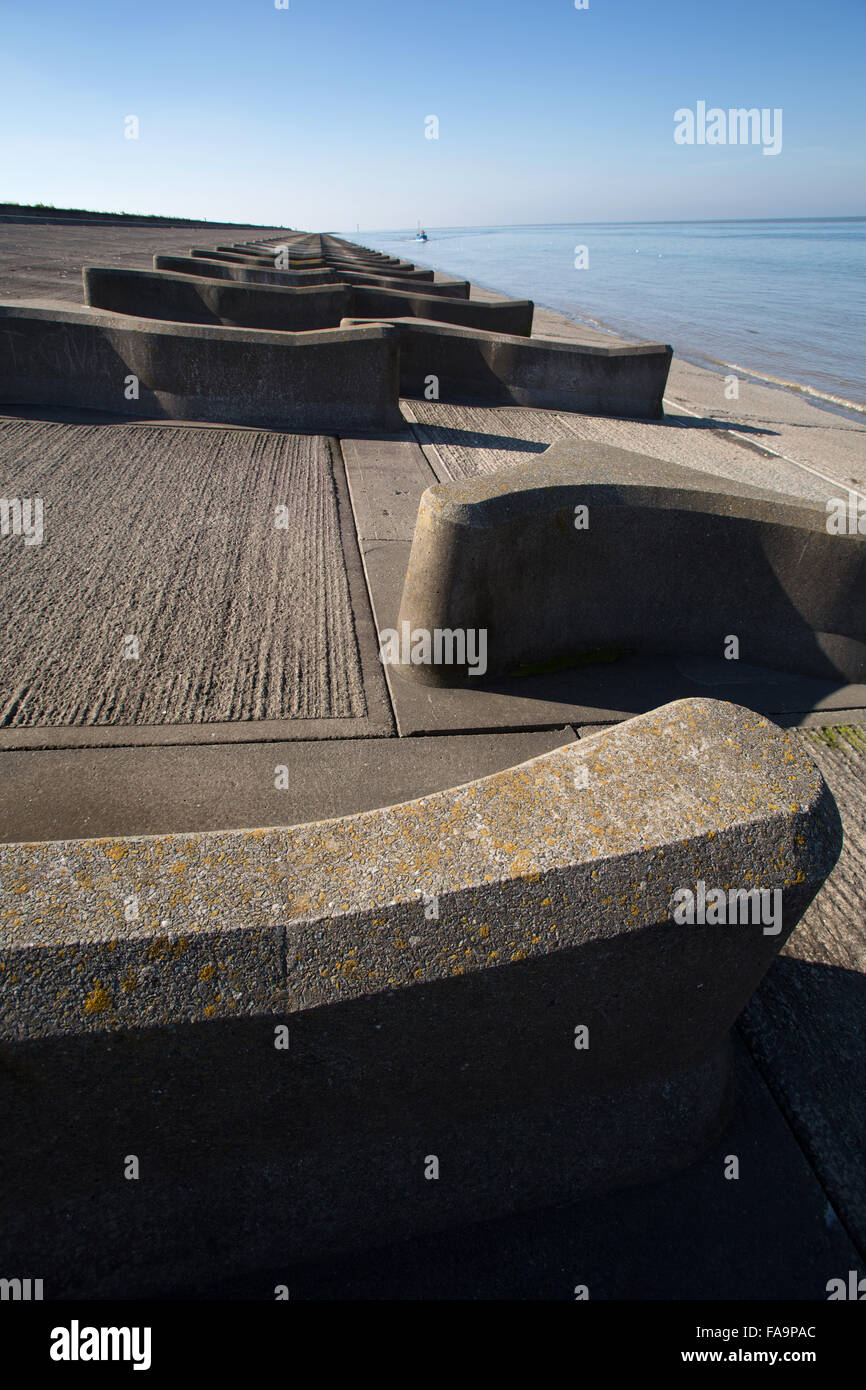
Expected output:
(298, 278)
(337, 247)
(161, 294)
(234, 304)
(269, 253)
(451, 289)
(471, 365)
(265, 256)
(594, 547)
(402, 274)
(512, 316)
(233, 257)
(300, 273)
(527, 978)
(265, 253)
(348, 258)
(375, 266)
(87, 358)
(232, 270)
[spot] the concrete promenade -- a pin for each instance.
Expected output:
(256, 567)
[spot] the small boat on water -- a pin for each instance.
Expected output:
(420, 235)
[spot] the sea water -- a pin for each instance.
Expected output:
(784, 300)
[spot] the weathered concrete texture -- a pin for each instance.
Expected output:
(806, 1026)
(661, 560)
(466, 440)
(509, 370)
(351, 262)
(554, 903)
(757, 811)
(234, 618)
(162, 294)
(400, 278)
(51, 354)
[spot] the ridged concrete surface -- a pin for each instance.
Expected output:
(482, 439)
(169, 534)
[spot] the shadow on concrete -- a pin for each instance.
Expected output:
(171, 1096)
(633, 684)
(711, 422)
(444, 434)
(806, 1029)
(771, 1234)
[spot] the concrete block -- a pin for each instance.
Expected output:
(300, 274)
(594, 548)
(159, 294)
(84, 358)
(494, 977)
(473, 365)
(195, 299)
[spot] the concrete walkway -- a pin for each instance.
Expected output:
(259, 652)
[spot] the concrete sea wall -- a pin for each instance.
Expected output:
(335, 379)
(553, 1030)
(608, 549)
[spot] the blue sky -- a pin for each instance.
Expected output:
(314, 116)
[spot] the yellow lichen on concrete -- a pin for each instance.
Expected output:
(99, 1000)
